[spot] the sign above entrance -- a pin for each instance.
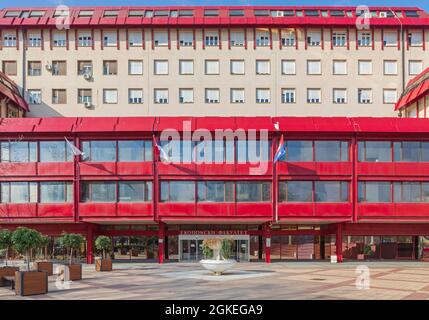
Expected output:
(214, 232)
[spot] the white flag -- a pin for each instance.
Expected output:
(75, 150)
(162, 154)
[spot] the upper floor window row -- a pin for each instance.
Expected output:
(36, 192)
(397, 192)
(398, 151)
(319, 151)
(35, 151)
(117, 150)
(314, 191)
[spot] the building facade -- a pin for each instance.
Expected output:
(214, 61)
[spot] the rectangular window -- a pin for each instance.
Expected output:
(177, 191)
(331, 151)
(34, 68)
(9, 40)
(84, 67)
(415, 38)
(390, 38)
(160, 38)
(215, 191)
(289, 67)
(186, 95)
(135, 191)
(134, 150)
(179, 151)
(339, 67)
(110, 38)
(410, 192)
(314, 38)
(365, 67)
(314, 96)
(59, 68)
(340, 96)
(99, 151)
(84, 96)
(339, 39)
(186, 38)
(288, 38)
(212, 66)
(135, 38)
(237, 66)
(253, 191)
(262, 66)
(161, 96)
(262, 38)
(110, 96)
(374, 192)
(20, 151)
(331, 191)
(375, 151)
(34, 40)
(35, 96)
(390, 67)
(135, 67)
(314, 67)
(252, 151)
(364, 96)
(19, 192)
(55, 151)
(212, 95)
(59, 96)
(237, 95)
(364, 39)
(211, 13)
(415, 67)
(211, 38)
(237, 38)
(186, 67)
(295, 191)
(288, 96)
(84, 39)
(390, 96)
(410, 151)
(299, 151)
(10, 68)
(110, 67)
(263, 95)
(160, 67)
(101, 192)
(135, 96)
(56, 192)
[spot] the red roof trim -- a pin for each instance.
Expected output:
(414, 90)
(11, 92)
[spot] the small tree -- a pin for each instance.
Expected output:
(6, 242)
(25, 240)
(44, 243)
(104, 244)
(71, 241)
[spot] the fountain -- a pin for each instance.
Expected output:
(219, 251)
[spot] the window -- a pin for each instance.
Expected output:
(314, 67)
(340, 96)
(177, 191)
(135, 191)
(215, 191)
(263, 95)
(314, 38)
(161, 13)
(374, 192)
(364, 96)
(21, 151)
(411, 151)
(101, 192)
(34, 96)
(135, 96)
(148, 14)
(56, 192)
(288, 96)
(211, 13)
(110, 38)
(364, 39)
(84, 67)
(390, 96)
(237, 95)
(390, 67)
(410, 192)
(160, 67)
(135, 38)
(99, 151)
(237, 66)
(84, 39)
(295, 191)
(110, 13)
(186, 13)
(390, 38)
(186, 95)
(237, 38)
(34, 68)
(214, 151)
(339, 39)
(110, 67)
(331, 191)
(212, 95)
(314, 96)
(160, 38)
(289, 67)
(179, 151)
(212, 66)
(18, 192)
(10, 68)
(262, 38)
(331, 151)
(365, 67)
(110, 96)
(415, 67)
(236, 13)
(55, 151)
(211, 39)
(339, 67)
(298, 151)
(12, 14)
(34, 40)
(415, 38)
(262, 66)
(84, 96)
(252, 151)
(288, 38)
(253, 191)
(86, 13)
(375, 151)
(9, 40)
(186, 67)
(59, 68)
(186, 38)
(135, 67)
(161, 96)
(59, 96)
(134, 150)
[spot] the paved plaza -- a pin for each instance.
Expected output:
(285, 280)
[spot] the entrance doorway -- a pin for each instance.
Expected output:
(191, 247)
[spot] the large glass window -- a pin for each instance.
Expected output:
(299, 151)
(213, 152)
(411, 151)
(296, 191)
(252, 151)
(215, 191)
(135, 191)
(56, 192)
(375, 151)
(99, 151)
(253, 191)
(331, 191)
(99, 191)
(18, 192)
(177, 191)
(374, 191)
(134, 151)
(55, 151)
(20, 151)
(331, 151)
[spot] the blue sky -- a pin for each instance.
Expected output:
(13, 3)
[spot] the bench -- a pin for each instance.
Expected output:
(11, 281)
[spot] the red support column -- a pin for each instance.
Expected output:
(267, 244)
(339, 242)
(161, 238)
(89, 245)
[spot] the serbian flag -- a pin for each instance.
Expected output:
(162, 154)
(281, 151)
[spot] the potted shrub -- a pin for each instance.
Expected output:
(72, 242)
(28, 282)
(45, 265)
(6, 244)
(103, 244)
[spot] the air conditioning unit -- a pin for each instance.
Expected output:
(87, 104)
(383, 14)
(87, 76)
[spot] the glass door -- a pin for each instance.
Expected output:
(243, 250)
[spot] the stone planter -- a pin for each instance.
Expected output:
(29, 283)
(103, 264)
(218, 266)
(7, 272)
(45, 266)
